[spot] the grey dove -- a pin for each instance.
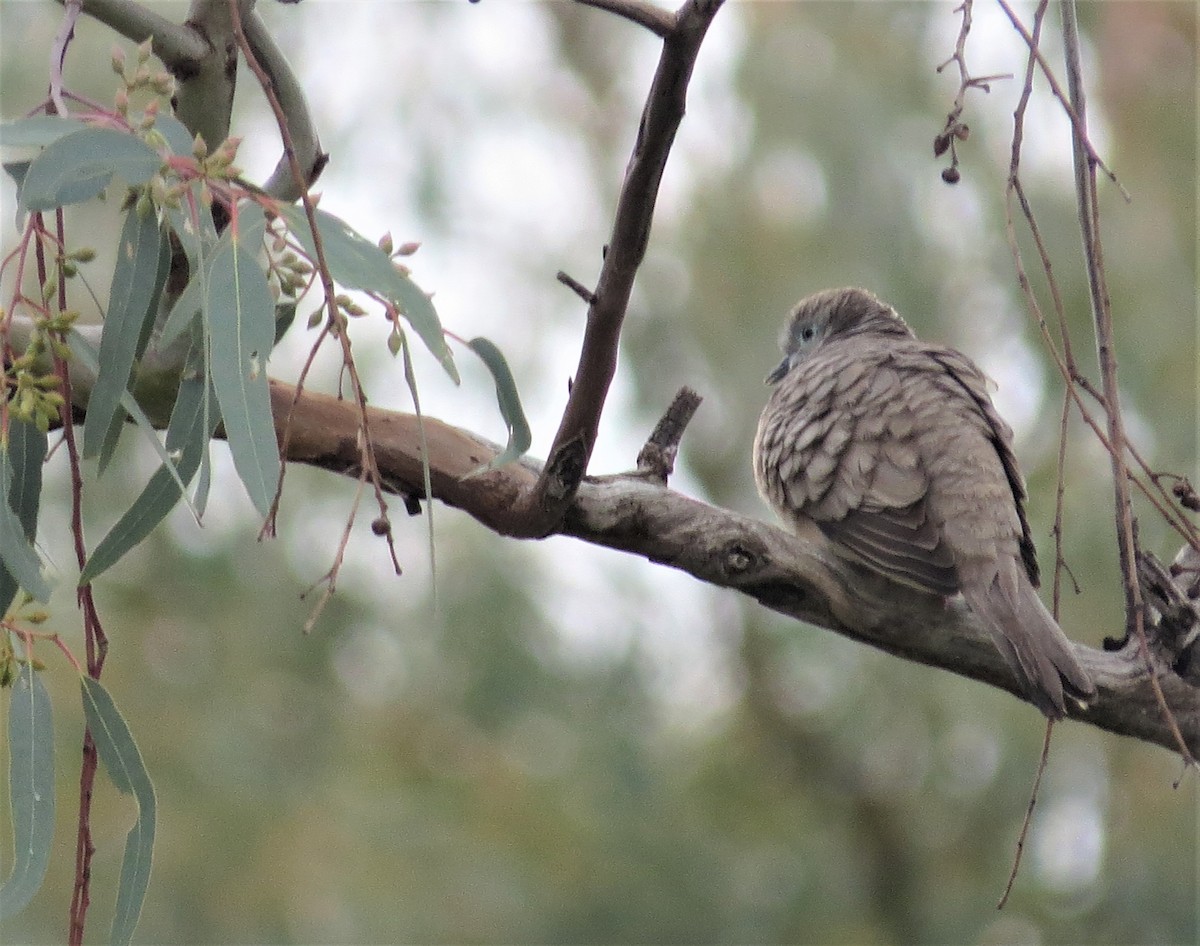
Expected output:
(892, 448)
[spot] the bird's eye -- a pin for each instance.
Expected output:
(807, 333)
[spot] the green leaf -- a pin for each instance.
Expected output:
(83, 352)
(193, 227)
(80, 165)
(26, 451)
(519, 437)
(123, 762)
(357, 263)
(37, 131)
(176, 135)
(240, 321)
(188, 434)
(16, 551)
(200, 242)
(186, 310)
(196, 231)
(31, 789)
(137, 281)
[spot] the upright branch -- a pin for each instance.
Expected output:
(543, 508)
(1089, 225)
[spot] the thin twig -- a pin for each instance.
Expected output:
(956, 130)
(1024, 833)
(1113, 438)
(576, 287)
(305, 143)
(1089, 224)
(95, 641)
(1060, 95)
(58, 52)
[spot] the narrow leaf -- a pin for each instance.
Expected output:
(187, 436)
(196, 231)
(17, 171)
(80, 165)
(83, 352)
(185, 311)
(123, 762)
(200, 242)
(249, 228)
(240, 319)
(357, 263)
(31, 789)
(26, 451)
(193, 226)
(135, 290)
(117, 424)
(519, 436)
(16, 551)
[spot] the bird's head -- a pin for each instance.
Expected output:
(832, 314)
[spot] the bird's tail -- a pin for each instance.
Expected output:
(1031, 641)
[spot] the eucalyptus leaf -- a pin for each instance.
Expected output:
(80, 165)
(192, 423)
(26, 453)
(176, 135)
(31, 789)
(519, 436)
(83, 352)
(192, 224)
(36, 131)
(240, 321)
(17, 554)
(123, 762)
(137, 281)
(357, 263)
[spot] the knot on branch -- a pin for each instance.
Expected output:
(564, 471)
(739, 560)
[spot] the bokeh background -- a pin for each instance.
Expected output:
(575, 746)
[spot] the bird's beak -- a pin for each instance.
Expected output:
(777, 375)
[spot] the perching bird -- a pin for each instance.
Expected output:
(892, 448)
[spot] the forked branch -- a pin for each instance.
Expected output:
(543, 508)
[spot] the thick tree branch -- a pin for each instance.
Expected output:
(634, 513)
(179, 46)
(301, 128)
(202, 55)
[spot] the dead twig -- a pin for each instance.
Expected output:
(657, 457)
(955, 129)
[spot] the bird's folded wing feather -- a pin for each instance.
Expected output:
(860, 475)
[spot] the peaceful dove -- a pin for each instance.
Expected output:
(892, 448)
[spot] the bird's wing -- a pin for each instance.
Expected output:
(846, 429)
(974, 384)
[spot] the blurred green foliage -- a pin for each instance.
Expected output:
(573, 746)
